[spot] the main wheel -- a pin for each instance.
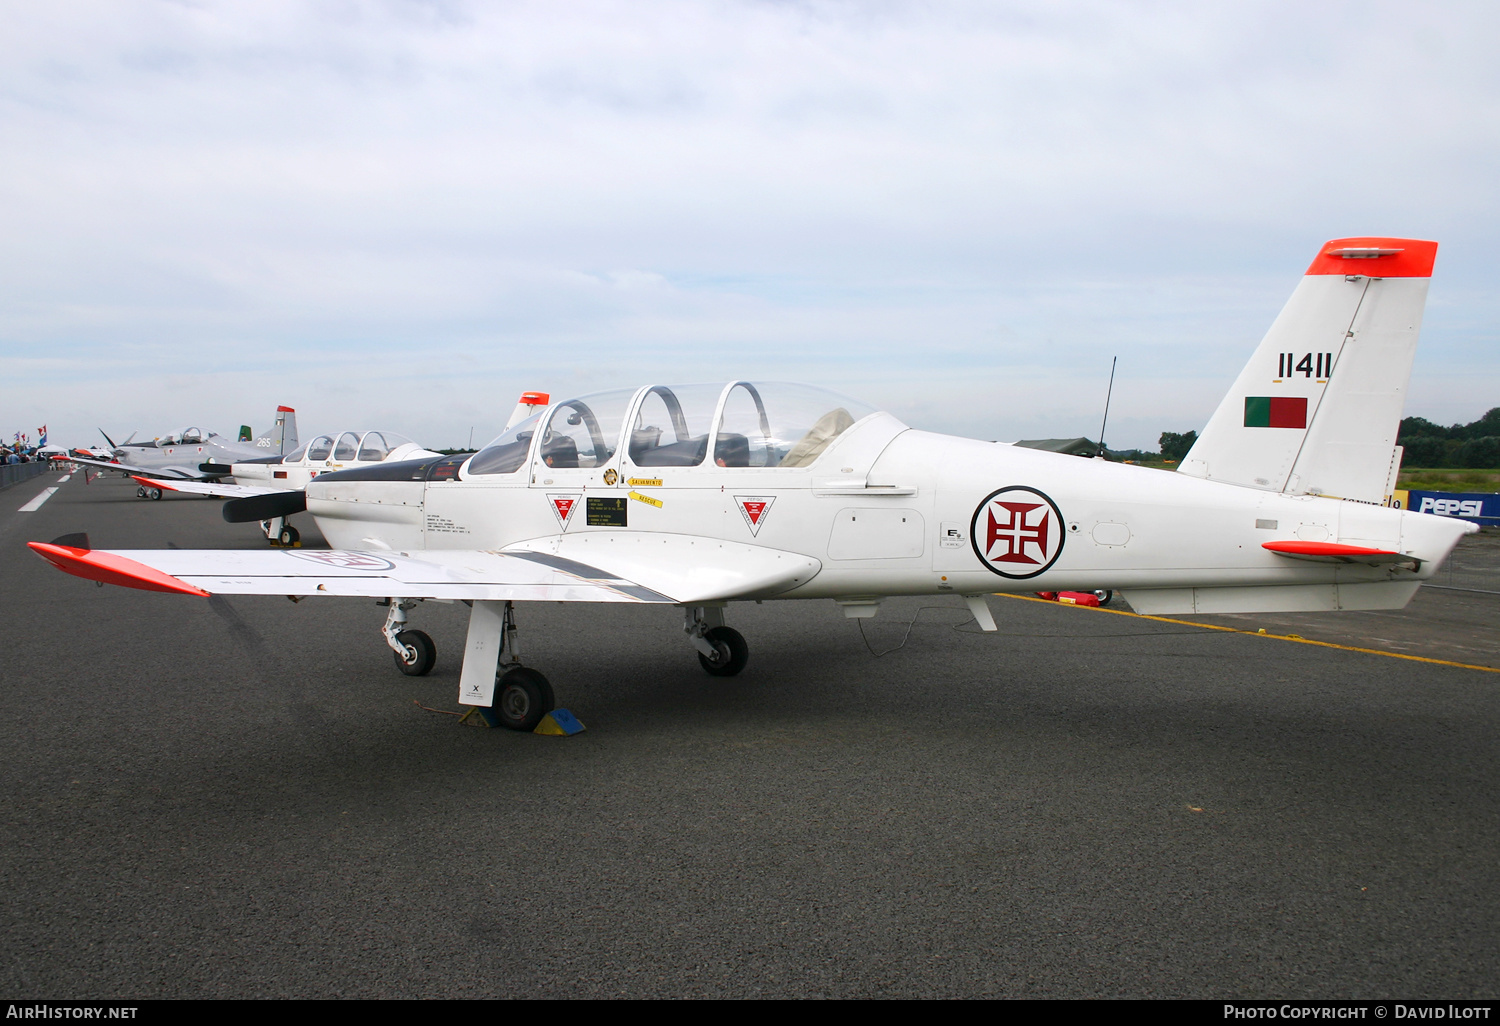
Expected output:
(140, 491)
(420, 655)
(732, 651)
(1104, 595)
(155, 493)
(289, 536)
(522, 698)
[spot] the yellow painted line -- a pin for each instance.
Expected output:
(1264, 634)
(648, 500)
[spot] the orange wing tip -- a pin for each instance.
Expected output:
(285, 409)
(1376, 258)
(149, 483)
(535, 398)
(111, 568)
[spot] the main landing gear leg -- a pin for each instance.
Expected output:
(416, 655)
(517, 696)
(722, 650)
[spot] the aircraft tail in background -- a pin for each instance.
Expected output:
(530, 402)
(282, 438)
(1317, 409)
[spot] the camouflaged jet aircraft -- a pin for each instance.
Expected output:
(700, 496)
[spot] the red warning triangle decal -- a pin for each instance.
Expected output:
(755, 509)
(562, 507)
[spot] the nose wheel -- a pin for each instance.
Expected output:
(414, 651)
(418, 653)
(722, 651)
(731, 652)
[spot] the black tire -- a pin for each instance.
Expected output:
(289, 536)
(140, 491)
(424, 654)
(522, 698)
(155, 493)
(1104, 595)
(734, 653)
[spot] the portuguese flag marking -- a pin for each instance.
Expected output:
(1275, 412)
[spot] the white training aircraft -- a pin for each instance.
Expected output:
(701, 496)
(286, 475)
(195, 454)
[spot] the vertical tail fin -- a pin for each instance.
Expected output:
(283, 436)
(286, 428)
(1317, 408)
(530, 403)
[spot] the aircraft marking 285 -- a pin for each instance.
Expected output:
(701, 496)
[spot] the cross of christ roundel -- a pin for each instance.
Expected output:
(1017, 532)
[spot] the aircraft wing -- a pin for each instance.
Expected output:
(217, 489)
(172, 472)
(685, 570)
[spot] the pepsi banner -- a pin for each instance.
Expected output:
(1482, 508)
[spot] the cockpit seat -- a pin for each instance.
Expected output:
(642, 441)
(732, 451)
(677, 454)
(560, 452)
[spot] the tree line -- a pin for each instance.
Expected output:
(1475, 445)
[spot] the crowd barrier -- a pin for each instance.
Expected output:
(15, 473)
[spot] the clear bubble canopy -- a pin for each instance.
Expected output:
(743, 424)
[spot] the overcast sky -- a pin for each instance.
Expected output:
(402, 214)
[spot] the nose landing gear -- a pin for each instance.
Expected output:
(722, 651)
(414, 651)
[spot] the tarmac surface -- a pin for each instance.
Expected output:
(243, 798)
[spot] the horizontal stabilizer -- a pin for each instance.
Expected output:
(1332, 552)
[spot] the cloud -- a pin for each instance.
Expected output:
(913, 201)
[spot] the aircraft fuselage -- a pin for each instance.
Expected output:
(887, 510)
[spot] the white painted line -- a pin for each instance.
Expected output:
(35, 504)
(64, 479)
